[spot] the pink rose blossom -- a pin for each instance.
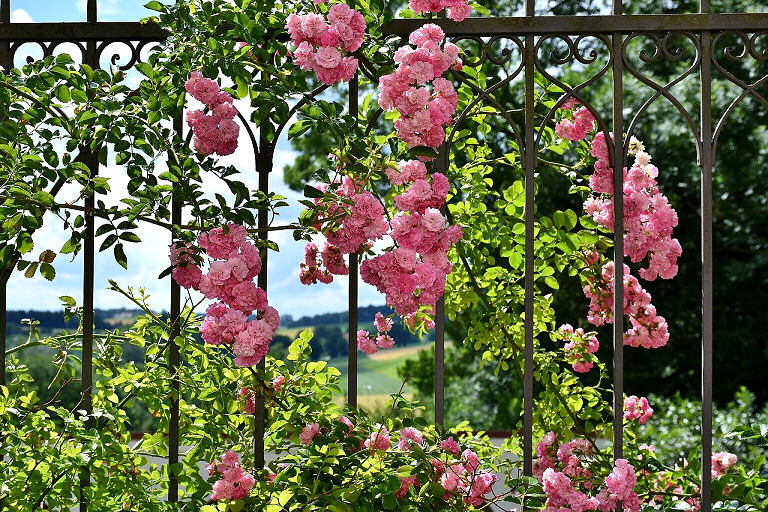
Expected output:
(310, 431)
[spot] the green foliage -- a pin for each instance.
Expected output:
(675, 428)
(45, 445)
(53, 104)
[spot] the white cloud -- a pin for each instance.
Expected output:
(21, 16)
(147, 259)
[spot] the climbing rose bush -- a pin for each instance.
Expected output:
(424, 111)
(215, 131)
(458, 10)
(235, 263)
(422, 217)
(325, 45)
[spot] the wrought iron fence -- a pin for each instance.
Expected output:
(525, 33)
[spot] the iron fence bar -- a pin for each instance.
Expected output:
(618, 241)
(264, 163)
(705, 164)
(89, 249)
(441, 165)
(83, 31)
(440, 361)
(530, 176)
(5, 46)
(574, 25)
(354, 110)
(520, 25)
(173, 348)
(5, 273)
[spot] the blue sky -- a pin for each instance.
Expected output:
(74, 10)
(149, 258)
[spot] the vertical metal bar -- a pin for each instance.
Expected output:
(89, 244)
(4, 275)
(173, 351)
(440, 361)
(441, 165)
(352, 328)
(530, 173)
(354, 110)
(5, 46)
(618, 241)
(705, 164)
(264, 160)
(92, 14)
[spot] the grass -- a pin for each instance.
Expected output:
(377, 376)
(291, 332)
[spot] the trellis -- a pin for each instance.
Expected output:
(526, 33)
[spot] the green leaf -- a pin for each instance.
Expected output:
(421, 151)
(43, 197)
(312, 192)
(47, 271)
(120, 256)
(68, 301)
(145, 68)
(154, 5)
(130, 237)
(62, 93)
(25, 243)
(107, 243)
(31, 270)
(69, 247)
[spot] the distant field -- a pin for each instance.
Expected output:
(377, 374)
(291, 332)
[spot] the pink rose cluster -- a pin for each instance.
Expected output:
(248, 396)
(579, 347)
(462, 476)
(235, 482)
(578, 126)
(235, 263)
(674, 483)
(355, 227)
(310, 431)
(378, 440)
(216, 131)
(637, 409)
(371, 344)
(647, 330)
(458, 10)
(459, 476)
(311, 271)
(457, 472)
(648, 217)
(722, 462)
(424, 111)
(562, 469)
(324, 45)
(415, 272)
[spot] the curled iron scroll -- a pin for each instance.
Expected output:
(747, 48)
(486, 94)
(666, 48)
(135, 48)
(573, 53)
(47, 49)
(487, 50)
